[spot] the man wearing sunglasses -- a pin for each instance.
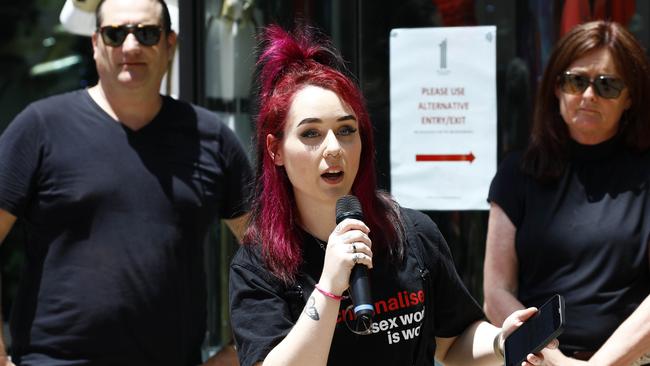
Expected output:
(118, 186)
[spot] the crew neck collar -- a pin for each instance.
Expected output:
(581, 152)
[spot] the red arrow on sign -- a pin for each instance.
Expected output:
(457, 157)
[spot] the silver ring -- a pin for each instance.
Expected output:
(354, 248)
(356, 258)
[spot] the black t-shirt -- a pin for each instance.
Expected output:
(263, 311)
(585, 237)
(116, 222)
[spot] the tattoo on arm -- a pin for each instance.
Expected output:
(310, 309)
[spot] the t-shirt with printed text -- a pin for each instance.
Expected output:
(263, 311)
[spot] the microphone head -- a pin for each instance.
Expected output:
(348, 207)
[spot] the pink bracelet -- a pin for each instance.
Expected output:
(329, 294)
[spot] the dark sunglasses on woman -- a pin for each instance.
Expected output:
(114, 35)
(605, 86)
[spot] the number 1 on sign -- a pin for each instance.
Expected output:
(443, 54)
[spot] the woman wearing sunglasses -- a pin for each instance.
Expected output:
(571, 215)
(288, 283)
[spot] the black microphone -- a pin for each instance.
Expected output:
(349, 207)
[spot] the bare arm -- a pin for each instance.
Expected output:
(630, 340)
(7, 221)
(238, 225)
(500, 269)
(475, 345)
(309, 341)
(500, 282)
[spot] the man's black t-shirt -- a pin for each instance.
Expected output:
(263, 311)
(585, 237)
(116, 222)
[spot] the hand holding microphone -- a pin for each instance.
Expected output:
(349, 207)
(347, 259)
(347, 245)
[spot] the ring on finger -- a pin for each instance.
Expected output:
(354, 248)
(355, 258)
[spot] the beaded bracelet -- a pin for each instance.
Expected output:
(329, 294)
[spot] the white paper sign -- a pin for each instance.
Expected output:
(443, 116)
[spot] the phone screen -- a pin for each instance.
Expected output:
(536, 332)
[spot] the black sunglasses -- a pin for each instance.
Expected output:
(114, 35)
(605, 86)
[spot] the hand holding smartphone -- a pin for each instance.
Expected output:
(536, 332)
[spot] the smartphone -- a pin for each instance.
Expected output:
(536, 332)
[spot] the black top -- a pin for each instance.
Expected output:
(585, 237)
(263, 310)
(116, 222)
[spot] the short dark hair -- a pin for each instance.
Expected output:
(547, 153)
(165, 18)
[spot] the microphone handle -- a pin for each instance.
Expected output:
(360, 292)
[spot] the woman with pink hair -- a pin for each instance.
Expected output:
(289, 281)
